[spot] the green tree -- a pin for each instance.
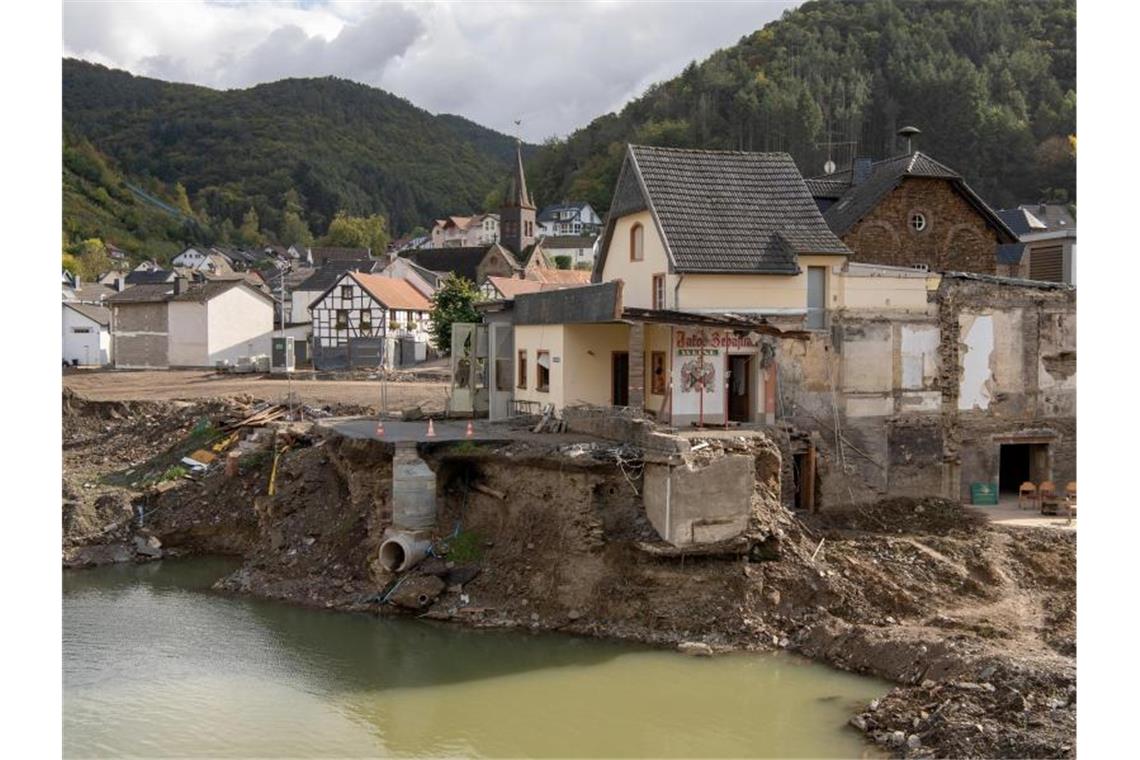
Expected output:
(454, 301)
(182, 200)
(294, 231)
(91, 258)
(70, 263)
(250, 231)
(358, 232)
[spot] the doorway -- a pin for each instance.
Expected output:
(1021, 462)
(619, 375)
(740, 388)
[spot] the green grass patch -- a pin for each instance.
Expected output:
(466, 547)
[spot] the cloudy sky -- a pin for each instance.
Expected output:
(556, 66)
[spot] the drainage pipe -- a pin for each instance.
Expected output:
(402, 551)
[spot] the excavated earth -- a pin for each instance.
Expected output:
(974, 623)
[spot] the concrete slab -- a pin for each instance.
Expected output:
(1005, 512)
(415, 431)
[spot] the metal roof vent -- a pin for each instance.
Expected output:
(908, 133)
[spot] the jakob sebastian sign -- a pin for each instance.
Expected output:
(699, 362)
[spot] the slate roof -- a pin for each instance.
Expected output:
(320, 256)
(98, 314)
(92, 292)
(199, 292)
(324, 277)
(568, 241)
(859, 200)
(1010, 253)
(145, 293)
(464, 262)
(548, 212)
(1037, 217)
(732, 211)
(143, 277)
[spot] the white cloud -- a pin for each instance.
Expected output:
(554, 65)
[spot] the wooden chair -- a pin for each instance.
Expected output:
(1047, 498)
(1071, 499)
(1027, 492)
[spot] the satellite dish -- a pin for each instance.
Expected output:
(829, 167)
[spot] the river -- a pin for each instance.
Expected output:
(157, 665)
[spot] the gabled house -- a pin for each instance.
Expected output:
(465, 231)
(581, 249)
(568, 218)
(911, 210)
(86, 334)
(506, 288)
(369, 320)
(1047, 243)
(313, 286)
(182, 324)
(424, 280)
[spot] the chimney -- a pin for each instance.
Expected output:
(861, 171)
(120, 283)
(179, 286)
(78, 281)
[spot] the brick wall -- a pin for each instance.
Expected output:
(956, 236)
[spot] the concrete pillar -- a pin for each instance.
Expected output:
(637, 365)
(770, 393)
(413, 490)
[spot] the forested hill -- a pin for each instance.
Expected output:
(991, 84)
(340, 146)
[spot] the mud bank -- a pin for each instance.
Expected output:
(975, 624)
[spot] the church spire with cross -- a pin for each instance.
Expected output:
(517, 216)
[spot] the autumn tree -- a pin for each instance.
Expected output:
(358, 232)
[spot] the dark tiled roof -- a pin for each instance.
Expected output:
(98, 314)
(858, 200)
(1018, 221)
(322, 256)
(145, 293)
(140, 277)
(322, 278)
(93, 292)
(198, 291)
(1038, 217)
(1010, 253)
(463, 262)
(729, 211)
(548, 212)
(568, 241)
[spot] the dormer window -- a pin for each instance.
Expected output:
(636, 243)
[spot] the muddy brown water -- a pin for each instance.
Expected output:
(157, 665)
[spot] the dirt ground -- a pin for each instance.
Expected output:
(168, 385)
(975, 623)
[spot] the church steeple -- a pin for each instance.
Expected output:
(516, 217)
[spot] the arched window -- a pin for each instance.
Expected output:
(636, 243)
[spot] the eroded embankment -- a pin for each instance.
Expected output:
(976, 624)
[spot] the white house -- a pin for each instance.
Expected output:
(86, 334)
(465, 231)
(180, 324)
(580, 248)
(568, 218)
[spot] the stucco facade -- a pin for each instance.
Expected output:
(85, 340)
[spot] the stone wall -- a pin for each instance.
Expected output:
(956, 237)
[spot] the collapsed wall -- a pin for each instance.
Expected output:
(920, 402)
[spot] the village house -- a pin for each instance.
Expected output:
(506, 288)
(465, 231)
(368, 320)
(1047, 243)
(575, 218)
(319, 257)
(721, 297)
(424, 280)
(911, 210)
(182, 324)
(581, 249)
(86, 334)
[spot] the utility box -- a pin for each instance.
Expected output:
(284, 355)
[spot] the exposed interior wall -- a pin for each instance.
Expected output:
(240, 324)
(139, 335)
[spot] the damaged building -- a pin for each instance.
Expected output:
(722, 298)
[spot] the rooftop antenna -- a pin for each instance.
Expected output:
(518, 130)
(908, 133)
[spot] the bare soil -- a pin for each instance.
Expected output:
(974, 623)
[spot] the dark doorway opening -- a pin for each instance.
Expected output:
(803, 477)
(739, 388)
(1021, 462)
(620, 378)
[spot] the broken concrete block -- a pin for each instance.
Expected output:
(148, 546)
(417, 593)
(695, 648)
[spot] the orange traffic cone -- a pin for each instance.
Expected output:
(380, 428)
(431, 429)
(470, 429)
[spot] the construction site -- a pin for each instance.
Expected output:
(596, 522)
